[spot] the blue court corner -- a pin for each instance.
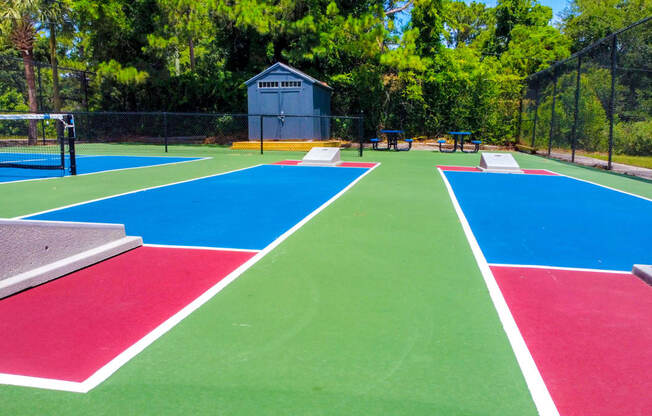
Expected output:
(87, 164)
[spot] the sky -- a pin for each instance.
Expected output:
(557, 6)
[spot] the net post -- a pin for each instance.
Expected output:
(261, 134)
(62, 142)
(552, 111)
(577, 108)
(165, 130)
(361, 133)
(612, 103)
(71, 144)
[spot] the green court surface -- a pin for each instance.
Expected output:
(374, 307)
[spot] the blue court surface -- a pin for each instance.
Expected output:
(554, 221)
(88, 164)
(246, 209)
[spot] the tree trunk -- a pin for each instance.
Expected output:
(56, 97)
(191, 45)
(28, 63)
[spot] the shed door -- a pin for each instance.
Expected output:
(293, 127)
(270, 105)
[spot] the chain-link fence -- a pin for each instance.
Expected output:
(161, 131)
(75, 87)
(278, 132)
(596, 106)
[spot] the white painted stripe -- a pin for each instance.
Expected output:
(133, 192)
(576, 269)
(111, 367)
(605, 186)
(246, 250)
(109, 170)
(540, 394)
(42, 383)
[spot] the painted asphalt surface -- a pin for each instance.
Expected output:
(247, 209)
(587, 330)
(113, 305)
(88, 164)
(554, 221)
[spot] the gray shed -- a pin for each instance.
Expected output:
(280, 92)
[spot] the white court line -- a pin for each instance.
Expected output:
(110, 170)
(570, 177)
(112, 366)
(133, 192)
(540, 394)
(246, 250)
(41, 383)
(605, 186)
(574, 269)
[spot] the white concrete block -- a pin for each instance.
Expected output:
(33, 252)
(643, 271)
(322, 156)
(499, 162)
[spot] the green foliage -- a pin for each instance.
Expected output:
(13, 100)
(586, 21)
(633, 138)
(436, 66)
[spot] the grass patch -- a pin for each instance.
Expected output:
(641, 161)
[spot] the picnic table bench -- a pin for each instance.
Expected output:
(458, 136)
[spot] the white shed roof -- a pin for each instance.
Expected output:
(291, 69)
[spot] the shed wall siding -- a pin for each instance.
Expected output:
(309, 100)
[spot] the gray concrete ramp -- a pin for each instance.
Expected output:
(34, 252)
(644, 271)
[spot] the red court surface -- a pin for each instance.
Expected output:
(287, 162)
(589, 334)
(475, 169)
(69, 328)
(340, 165)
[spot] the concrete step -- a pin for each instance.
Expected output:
(34, 252)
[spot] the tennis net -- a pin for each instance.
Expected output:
(37, 141)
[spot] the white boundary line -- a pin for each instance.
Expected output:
(41, 383)
(246, 250)
(605, 186)
(112, 366)
(574, 269)
(112, 170)
(324, 166)
(568, 176)
(133, 192)
(540, 394)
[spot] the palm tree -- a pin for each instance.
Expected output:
(53, 13)
(19, 19)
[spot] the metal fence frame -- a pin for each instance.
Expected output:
(82, 75)
(160, 125)
(553, 71)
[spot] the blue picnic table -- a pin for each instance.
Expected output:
(393, 137)
(458, 136)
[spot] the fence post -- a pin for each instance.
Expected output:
(261, 134)
(520, 117)
(552, 115)
(536, 114)
(84, 85)
(165, 130)
(612, 103)
(577, 109)
(361, 132)
(39, 98)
